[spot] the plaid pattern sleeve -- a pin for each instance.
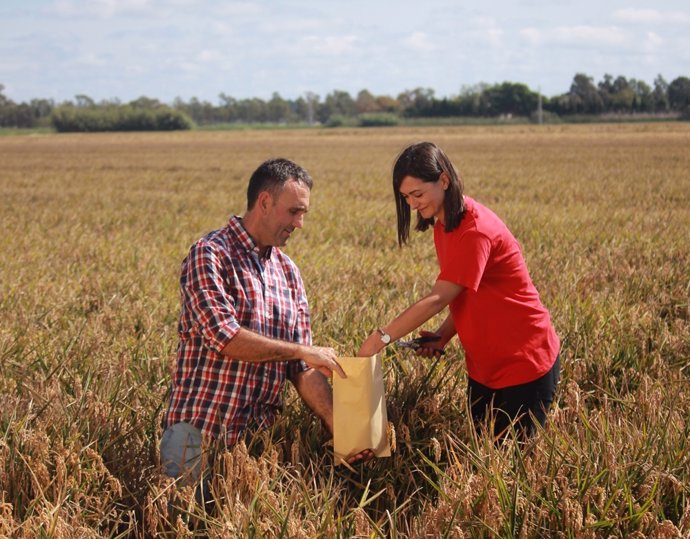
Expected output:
(224, 286)
(206, 299)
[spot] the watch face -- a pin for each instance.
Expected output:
(385, 338)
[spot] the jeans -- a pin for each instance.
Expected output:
(181, 456)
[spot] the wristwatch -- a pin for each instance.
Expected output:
(385, 338)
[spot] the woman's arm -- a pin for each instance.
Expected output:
(445, 333)
(442, 293)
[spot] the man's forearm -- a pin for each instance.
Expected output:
(317, 394)
(249, 346)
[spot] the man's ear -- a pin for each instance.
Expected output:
(264, 201)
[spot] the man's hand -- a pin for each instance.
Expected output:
(362, 456)
(323, 359)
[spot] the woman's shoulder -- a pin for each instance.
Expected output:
(483, 217)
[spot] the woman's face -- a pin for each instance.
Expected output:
(425, 197)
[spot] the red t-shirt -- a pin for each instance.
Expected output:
(504, 328)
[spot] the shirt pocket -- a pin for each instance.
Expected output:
(282, 308)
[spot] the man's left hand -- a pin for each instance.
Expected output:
(362, 456)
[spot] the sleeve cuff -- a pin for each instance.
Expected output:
(217, 338)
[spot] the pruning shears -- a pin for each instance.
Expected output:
(420, 342)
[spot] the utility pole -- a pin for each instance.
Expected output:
(540, 113)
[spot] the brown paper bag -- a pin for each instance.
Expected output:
(359, 409)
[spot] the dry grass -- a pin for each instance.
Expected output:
(94, 228)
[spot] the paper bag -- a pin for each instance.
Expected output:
(359, 409)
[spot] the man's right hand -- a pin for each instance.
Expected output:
(323, 359)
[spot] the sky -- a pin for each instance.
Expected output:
(164, 49)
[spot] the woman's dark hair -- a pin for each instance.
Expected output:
(272, 175)
(426, 161)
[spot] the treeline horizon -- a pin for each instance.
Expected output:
(612, 95)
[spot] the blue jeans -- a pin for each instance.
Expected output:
(181, 456)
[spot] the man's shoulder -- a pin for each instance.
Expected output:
(222, 238)
(216, 244)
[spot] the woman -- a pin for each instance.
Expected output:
(511, 347)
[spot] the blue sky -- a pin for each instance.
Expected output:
(167, 48)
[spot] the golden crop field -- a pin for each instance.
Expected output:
(94, 227)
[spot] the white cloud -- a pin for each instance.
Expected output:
(99, 8)
(238, 9)
(485, 30)
(651, 16)
(209, 56)
(90, 59)
(637, 15)
(652, 42)
(592, 35)
(575, 35)
(189, 67)
(327, 46)
(531, 35)
(419, 41)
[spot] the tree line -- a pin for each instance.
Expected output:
(611, 95)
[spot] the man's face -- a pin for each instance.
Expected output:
(285, 213)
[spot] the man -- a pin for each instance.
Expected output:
(244, 326)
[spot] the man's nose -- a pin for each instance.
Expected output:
(298, 221)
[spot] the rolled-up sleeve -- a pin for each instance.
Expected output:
(211, 306)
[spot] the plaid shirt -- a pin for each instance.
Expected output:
(225, 284)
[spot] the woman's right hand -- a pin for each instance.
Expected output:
(433, 348)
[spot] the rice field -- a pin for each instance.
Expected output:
(94, 227)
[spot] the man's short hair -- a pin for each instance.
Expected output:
(272, 175)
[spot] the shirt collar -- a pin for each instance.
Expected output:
(244, 239)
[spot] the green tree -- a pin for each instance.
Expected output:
(511, 98)
(228, 108)
(387, 103)
(583, 96)
(605, 88)
(146, 103)
(643, 101)
(366, 102)
(84, 101)
(416, 102)
(660, 94)
(337, 103)
(621, 95)
(277, 109)
(679, 94)
(470, 100)
(252, 110)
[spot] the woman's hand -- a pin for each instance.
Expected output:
(372, 346)
(433, 348)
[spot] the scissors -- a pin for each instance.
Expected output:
(420, 342)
